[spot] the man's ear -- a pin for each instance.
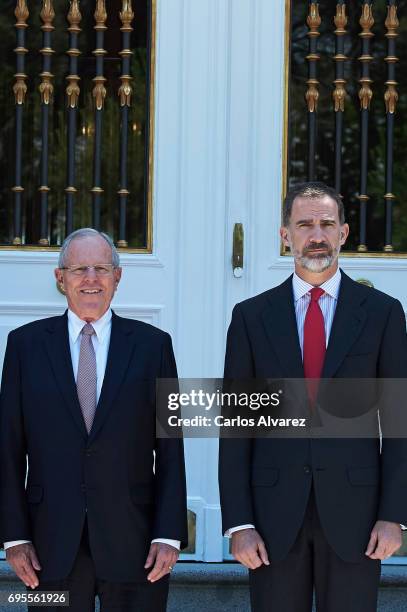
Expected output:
(59, 276)
(117, 277)
(344, 233)
(285, 236)
(60, 280)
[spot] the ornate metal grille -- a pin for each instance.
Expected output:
(75, 136)
(347, 112)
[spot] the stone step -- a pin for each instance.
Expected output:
(224, 586)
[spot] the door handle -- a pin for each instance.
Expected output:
(238, 245)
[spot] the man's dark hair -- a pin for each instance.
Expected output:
(313, 189)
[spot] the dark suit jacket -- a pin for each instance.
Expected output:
(107, 476)
(267, 482)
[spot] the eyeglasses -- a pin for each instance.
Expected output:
(100, 269)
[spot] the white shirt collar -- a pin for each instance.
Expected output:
(101, 326)
(331, 286)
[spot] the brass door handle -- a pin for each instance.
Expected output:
(237, 257)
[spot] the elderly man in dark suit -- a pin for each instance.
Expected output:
(312, 512)
(90, 500)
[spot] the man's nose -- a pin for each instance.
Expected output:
(317, 234)
(90, 273)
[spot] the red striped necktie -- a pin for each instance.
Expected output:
(314, 343)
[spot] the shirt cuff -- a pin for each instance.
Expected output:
(229, 532)
(175, 543)
(15, 543)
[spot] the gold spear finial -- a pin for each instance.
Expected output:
(366, 20)
(392, 23)
(314, 19)
(74, 16)
(340, 19)
(100, 14)
(47, 14)
(21, 12)
(126, 14)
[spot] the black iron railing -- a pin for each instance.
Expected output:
(77, 128)
(344, 59)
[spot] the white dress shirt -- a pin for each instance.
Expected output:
(327, 302)
(100, 341)
(302, 298)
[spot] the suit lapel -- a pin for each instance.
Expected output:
(281, 328)
(120, 351)
(57, 348)
(348, 323)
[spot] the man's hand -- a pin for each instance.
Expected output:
(248, 548)
(385, 539)
(24, 561)
(162, 558)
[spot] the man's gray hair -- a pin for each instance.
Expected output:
(312, 190)
(83, 233)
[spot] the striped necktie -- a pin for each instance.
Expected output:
(86, 379)
(314, 344)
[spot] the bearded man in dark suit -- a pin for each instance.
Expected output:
(315, 513)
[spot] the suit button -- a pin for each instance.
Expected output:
(83, 487)
(88, 453)
(307, 469)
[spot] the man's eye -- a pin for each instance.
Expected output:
(101, 269)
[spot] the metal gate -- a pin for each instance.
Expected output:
(76, 143)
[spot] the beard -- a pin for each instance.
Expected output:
(317, 262)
